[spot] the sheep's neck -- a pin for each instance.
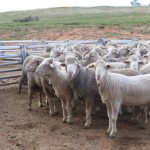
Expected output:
(56, 76)
(104, 84)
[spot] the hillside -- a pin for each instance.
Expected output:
(62, 20)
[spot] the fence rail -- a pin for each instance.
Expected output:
(13, 53)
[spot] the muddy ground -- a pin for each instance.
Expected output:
(21, 129)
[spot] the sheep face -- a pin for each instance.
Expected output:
(72, 70)
(45, 68)
(100, 70)
(55, 52)
(72, 66)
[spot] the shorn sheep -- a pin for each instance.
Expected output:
(117, 89)
(58, 79)
(83, 83)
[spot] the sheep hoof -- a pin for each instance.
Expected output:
(142, 126)
(112, 134)
(108, 131)
(52, 114)
(64, 120)
(40, 105)
(47, 103)
(87, 126)
(69, 121)
(29, 108)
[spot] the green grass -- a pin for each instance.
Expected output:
(123, 17)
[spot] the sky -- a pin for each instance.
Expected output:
(14, 5)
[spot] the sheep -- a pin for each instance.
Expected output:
(101, 50)
(23, 74)
(23, 77)
(83, 83)
(112, 53)
(124, 50)
(91, 57)
(143, 48)
(145, 69)
(139, 113)
(135, 52)
(56, 52)
(116, 90)
(134, 62)
(42, 84)
(76, 53)
(127, 72)
(58, 79)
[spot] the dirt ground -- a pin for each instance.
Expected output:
(86, 33)
(21, 129)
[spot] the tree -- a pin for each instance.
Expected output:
(135, 3)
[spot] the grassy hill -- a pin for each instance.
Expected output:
(123, 17)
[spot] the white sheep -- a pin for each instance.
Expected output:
(58, 79)
(117, 89)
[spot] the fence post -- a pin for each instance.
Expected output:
(44, 44)
(24, 53)
(34, 43)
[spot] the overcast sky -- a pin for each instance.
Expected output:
(9, 5)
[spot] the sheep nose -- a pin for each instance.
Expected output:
(70, 74)
(98, 77)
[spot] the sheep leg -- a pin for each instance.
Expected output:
(88, 110)
(63, 103)
(20, 84)
(40, 99)
(55, 105)
(51, 102)
(69, 111)
(30, 98)
(115, 111)
(22, 78)
(109, 113)
(47, 101)
(143, 118)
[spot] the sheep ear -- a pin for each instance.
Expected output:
(38, 61)
(50, 60)
(51, 65)
(145, 56)
(126, 61)
(63, 65)
(141, 62)
(91, 66)
(108, 66)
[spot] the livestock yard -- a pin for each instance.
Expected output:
(21, 129)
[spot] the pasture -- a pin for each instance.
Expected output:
(107, 21)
